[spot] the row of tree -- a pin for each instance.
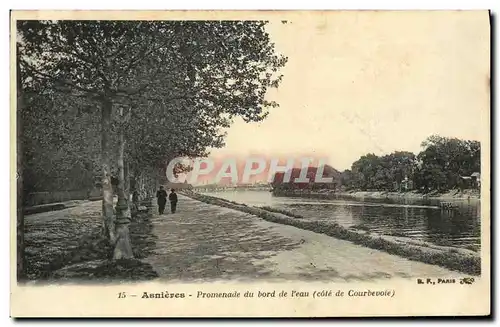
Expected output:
(440, 166)
(121, 98)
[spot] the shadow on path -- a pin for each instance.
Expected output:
(201, 242)
(205, 242)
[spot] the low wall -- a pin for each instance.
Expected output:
(38, 198)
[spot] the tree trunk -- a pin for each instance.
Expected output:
(127, 180)
(151, 185)
(19, 178)
(154, 182)
(107, 189)
(146, 184)
(123, 247)
(139, 185)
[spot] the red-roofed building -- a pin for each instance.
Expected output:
(328, 171)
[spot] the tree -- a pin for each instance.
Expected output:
(364, 171)
(398, 166)
(214, 70)
(346, 179)
(444, 160)
(223, 70)
(439, 166)
(103, 62)
(59, 154)
(381, 173)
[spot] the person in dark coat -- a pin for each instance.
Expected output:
(162, 200)
(173, 201)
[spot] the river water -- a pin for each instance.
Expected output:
(418, 219)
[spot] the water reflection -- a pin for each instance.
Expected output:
(417, 219)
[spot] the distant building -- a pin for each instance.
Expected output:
(476, 179)
(328, 171)
(406, 184)
(471, 182)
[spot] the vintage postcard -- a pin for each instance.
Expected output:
(250, 163)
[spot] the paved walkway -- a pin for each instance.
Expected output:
(203, 242)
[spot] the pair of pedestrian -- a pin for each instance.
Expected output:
(162, 200)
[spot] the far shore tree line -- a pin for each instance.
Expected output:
(114, 101)
(443, 164)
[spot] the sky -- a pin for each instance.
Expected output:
(371, 82)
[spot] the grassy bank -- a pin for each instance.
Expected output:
(453, 259)
(450, 195)
(329, 194)
(72, 248)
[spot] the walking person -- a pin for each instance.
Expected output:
(173, 201)
(162, 200)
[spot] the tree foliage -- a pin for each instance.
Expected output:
(181, 82)
(439, 166)
(60, 143)
(154, 89)
(444, 160)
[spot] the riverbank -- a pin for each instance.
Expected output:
(329, 194)
(462, 260)
(68, 246)
(203, 243)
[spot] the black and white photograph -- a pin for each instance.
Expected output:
(274, 151)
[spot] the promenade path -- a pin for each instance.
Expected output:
(204, 242)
